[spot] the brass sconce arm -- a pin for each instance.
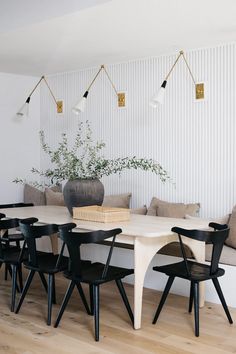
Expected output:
(24, 110)
(35, 88)
(158, 98)
(181, 53)
(101, 68)
(80, 105)
(42, 78)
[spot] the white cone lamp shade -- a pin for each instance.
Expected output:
(159, 97)
(24, 110)
(80, 106)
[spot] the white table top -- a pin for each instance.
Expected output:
(139, 225)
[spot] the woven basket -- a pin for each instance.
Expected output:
(101, 214)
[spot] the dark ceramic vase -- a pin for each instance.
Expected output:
(83, 192)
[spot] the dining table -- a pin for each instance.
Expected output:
(146, 234)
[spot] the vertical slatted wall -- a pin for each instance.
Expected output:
(194, 141)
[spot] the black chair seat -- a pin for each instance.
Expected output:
(92, 274)
(197, 271)
(13, 237)
(11, 248)
(12, 256)
(46, 263)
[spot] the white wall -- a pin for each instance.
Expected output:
(194, 141)
(19, 142)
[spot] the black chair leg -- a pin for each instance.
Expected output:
(96, 310)
(10, 272)
(20, 277)
(191, 297)
(43, 281)
(13, 289)
(65, 302)
(50, 297)
(6, 272)
(163, 298)
(9, 269)
(83, 298)
(196, 308)
(91, 299)
(25, 289)
(54, 301)
(222, 299)
(125, 299)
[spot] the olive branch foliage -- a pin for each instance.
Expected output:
(84, 160)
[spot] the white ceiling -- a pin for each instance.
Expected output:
(15, 13)
(37, 39)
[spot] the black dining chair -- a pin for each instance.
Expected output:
(12, 256)
(15, 236)
(95, 274)
(43, 262)
(196, 272)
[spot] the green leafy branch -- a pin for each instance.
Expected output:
(84, 160)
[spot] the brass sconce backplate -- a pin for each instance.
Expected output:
(59, 106)
(121, 99)
(200, 94)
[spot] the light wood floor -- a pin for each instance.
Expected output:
(27, 332)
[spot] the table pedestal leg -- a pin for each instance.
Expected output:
(143, 254)
(54, 243)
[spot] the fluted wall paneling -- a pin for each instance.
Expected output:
(194, 141)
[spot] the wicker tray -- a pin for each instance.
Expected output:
(101, 214)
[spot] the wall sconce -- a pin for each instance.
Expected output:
(80, 105)
(159, 96)
(24, 110)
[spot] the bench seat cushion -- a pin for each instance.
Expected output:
(173, 249)
(228, 255)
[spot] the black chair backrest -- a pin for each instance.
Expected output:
(32, 232)
(74, 240)
(4, 226)
(15, 205)
(216, 237)
(2, 215)
(9, 224)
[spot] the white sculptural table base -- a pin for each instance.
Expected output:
(147, 234)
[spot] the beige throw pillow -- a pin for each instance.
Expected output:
(140, 211)
(54, 198)
(117, 200)
(33, 195)
(172, 210)
(36, 196)
(57, 188)
(231, 240)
